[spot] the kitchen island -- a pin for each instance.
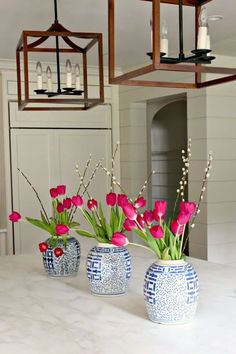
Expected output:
(46, 315)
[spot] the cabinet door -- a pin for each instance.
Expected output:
(48, 157)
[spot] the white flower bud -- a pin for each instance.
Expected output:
(192, 226)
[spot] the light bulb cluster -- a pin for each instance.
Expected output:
(203, 39)
(69, 76)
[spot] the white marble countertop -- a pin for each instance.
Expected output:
(59, 316)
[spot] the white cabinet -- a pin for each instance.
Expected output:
(48, 157)
(47, 145)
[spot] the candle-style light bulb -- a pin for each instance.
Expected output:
(39, 76)
(151, 30)
(164, 39)
(68, 73)
(49, 79)
(77, 77)
(202, 29)
(208, 39)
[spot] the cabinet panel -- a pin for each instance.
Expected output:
(98, 117)
(32, 152)
(49, 157)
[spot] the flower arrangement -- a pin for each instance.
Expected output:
(167, 239)
(61, 221)
(104, 231)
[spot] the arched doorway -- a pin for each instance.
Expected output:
(168, 139)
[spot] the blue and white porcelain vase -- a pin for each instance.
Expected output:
(171, 292)
(108, 269)
(65, 265)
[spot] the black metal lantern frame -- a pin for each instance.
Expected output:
(190, 64)
(63, 98)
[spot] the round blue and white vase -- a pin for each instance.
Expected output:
(171, 292)
(65, 265)
(108, 269)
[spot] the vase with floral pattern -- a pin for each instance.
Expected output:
(108, 269)
(65, 264)
(171, 292)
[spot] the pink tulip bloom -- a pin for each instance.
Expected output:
(119, 239)
(92, 204)
(176, 228)
(122, 199)
(129, 225)
(187, 207)
(160, 210)
(14, 216)
(157, 231)
(148, 217)
(62, 229)
(61, 189)
(140, 222)
(111, 199)
(67, 203)
(140, 203)
(130, 211)
(53, 193)
(183, 218)
(77, 201)
(60, 208)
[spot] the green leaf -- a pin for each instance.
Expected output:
(153, 244)
(40, 224)
(74, 225)
(44, 220)
(165, 254)
(85, 233)
(109, 231)
(140, 234)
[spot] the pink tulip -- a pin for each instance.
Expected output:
(122, 199)
(60, 208)
(183, 218)
(67, 203)
(77, 201)
(160, 210)
(61, 189)
(53, 193)
(176, 228)
(14, 216)
(130, 211)
(187, 208)
(129, 225)
(43, 246)
(119, 239)
(92, 204)
(157, 231)
(140, 203)
(62, 229)
(140, 222)
(148, 217)
(111, 199)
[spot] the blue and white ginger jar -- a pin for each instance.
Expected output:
(65, 265)
(171, 292)
(108, 269)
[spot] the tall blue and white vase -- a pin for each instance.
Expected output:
(65, 265)
(171, 292)
(108, 269)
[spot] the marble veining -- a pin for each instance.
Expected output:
(39, 314)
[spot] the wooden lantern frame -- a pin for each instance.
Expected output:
(57, 31)
(130, 78)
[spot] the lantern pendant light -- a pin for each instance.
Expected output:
(197, 63)
(51, 95)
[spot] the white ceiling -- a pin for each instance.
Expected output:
(132, 24)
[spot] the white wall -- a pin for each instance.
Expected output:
(212, 126)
